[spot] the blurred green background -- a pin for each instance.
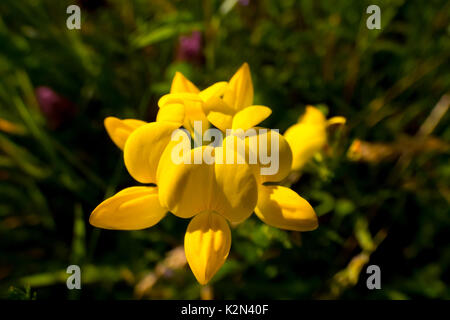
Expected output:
(382, 200)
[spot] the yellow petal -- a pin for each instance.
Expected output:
(240, 91)
(207, 243)
(336, 120)
(194, 113)
(250, 117)
(144, 147)
(283, 208)
(313, 116)
(193, 108)
(119, 130)
(171, 98)
(255, 145)
(185, 188)
(220, 120)
(215, 90)
(130, 209)
(236, 193)
(172, 113)
(219, 113)
(305, 140)
(181, 84)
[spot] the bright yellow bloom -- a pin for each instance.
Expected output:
(308, 136)
(212, 193)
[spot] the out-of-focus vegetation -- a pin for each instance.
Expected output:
(381, 188)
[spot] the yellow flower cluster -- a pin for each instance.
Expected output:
(214, 194)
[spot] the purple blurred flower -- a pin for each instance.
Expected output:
(244, 2)
(190, 48)
(55, 107)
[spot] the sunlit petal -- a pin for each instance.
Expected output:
(236, 183)
(313, 116)
(271, 166)
(215, 90)
(283, 208)
(240, 91)
(219, 113)
(185, 188)
(207, 243)
(250, 117)
(336, 120)
(130, 209)
(172, 113)
(178, 97)
(181, 84)
(144, 147)
(305, 140)
(119, 130)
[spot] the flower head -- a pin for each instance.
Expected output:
(309, 135)
(211, 193)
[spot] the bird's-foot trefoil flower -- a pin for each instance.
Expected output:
(212, 193)
(309, 135)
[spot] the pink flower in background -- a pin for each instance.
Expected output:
(190, 48)
(55, 107)
(244, 2)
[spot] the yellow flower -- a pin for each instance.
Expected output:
(308, 136)
(213, 193)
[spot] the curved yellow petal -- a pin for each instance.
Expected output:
(240, 90)
(336, 120)
(236, 193)
(181, 84)
(215, 90)
(312, 116)
(283, 208)
(133, 208)
(250, 117)
(207, 243)
(178, 97)
(144, 148)
(119, 130)
(220, 120)
(219, 113)
(185, 188)
(305, 140)
(271, 166)
(193, 108)
(172, 113)
(194, 113)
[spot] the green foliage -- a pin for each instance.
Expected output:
(392, 210)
